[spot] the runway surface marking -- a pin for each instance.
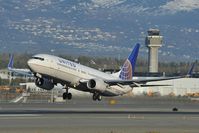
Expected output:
(18, 115)
(130, 117)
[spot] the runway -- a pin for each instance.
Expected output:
(85, 116)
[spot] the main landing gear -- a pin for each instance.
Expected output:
(67, 95)
(96, 96)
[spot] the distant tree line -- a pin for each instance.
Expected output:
(20, 61)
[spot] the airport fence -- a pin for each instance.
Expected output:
(11, 97)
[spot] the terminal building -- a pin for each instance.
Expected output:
(174, 87)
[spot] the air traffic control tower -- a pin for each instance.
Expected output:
(153, 42)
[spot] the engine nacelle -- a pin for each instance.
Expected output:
(44, 83)
(97, 84)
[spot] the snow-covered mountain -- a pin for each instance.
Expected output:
(99, 27)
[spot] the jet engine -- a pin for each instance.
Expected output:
(44, 83)
(97, 84)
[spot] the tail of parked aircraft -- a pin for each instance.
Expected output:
(25, 72)
(11, 62)
(128, 67)
(190, 72)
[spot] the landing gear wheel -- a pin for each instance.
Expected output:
(69, 96)
(64, 95)
(99, 98)
(94, 97)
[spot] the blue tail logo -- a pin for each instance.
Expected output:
(11, 61)
(128, 68)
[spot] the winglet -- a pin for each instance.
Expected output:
(128, 67)
(190, 72)
(11, 62)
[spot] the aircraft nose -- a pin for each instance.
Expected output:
(30, 62)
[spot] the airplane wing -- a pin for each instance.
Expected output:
(139, 82)
(25, 72)
(136, 82)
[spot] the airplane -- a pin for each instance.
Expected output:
(49, 70)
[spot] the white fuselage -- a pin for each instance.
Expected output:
(70, 72)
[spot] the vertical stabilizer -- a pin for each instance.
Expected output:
(128, 67)
(11, 62)
(190, 72)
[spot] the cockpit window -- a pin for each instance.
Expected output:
(38, 58)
